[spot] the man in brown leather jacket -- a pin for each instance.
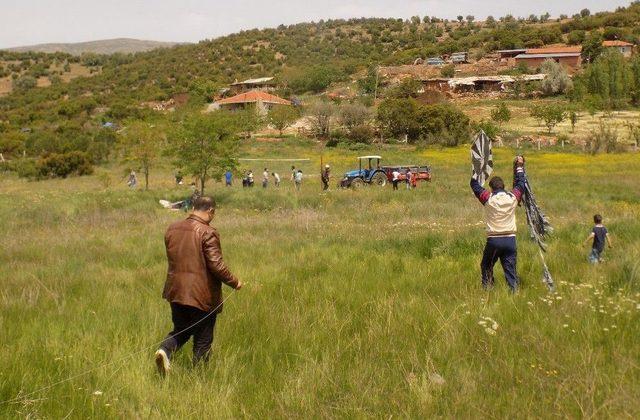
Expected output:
(194, 283)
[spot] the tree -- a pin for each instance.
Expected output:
(501, 114)
(204, 145)
(592, 47)
(573, 117)
(24, 83)
(585, 12)
(544, 18)
(448, 71)
(248, 120)
(460, 18)
(470, 19)
(320, 115)
(352, 115)
(549, 114)
(557, 80)
(141, 145)
(282, 117)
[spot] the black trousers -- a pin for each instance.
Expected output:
(184, 317)
(503, 249)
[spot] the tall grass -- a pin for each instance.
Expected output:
(358, 303)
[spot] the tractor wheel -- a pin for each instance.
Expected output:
(357, 183)
(379, 179)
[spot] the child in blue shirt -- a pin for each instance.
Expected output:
(599, 235)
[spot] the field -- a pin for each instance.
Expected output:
(357, 303)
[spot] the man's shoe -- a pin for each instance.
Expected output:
(162, 362)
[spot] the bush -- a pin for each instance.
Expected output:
(605, 138)
(489, 127)
(439, 123)
(557, 80)
(448, 71)
(62, 165)
(362, 133)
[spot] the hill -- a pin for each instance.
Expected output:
(62, 98)
(105, 46)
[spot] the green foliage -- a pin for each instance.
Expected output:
(142, 144)
(438, 124)
(320, 114)
(24, 83)
(407, 88)
(611, 78)
(249, 120)
(63, 165)
(11, 143)
(313, 79)
(557, 80)
(603, 139)
(205, 146)
(501, 114)
(282, 117)
(576, 37)
(592, 47)
(489, 127)
(448, 71)
(549, 114)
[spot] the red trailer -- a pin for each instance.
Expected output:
(419, 172)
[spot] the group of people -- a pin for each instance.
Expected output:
(296, 178)
(197, 271)
(410, 179)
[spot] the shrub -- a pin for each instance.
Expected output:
(557, 80)
(448, 71)
(549, 114)
(62, 165)
(362, 133)
(605, 138)
(489, 127)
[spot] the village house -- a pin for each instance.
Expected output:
(498, 83)
(263, 102)
(569, 57)
(265, 84)
(625, 48)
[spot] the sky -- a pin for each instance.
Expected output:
(28, 22)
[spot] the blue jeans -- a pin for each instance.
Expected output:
(504, 249)
(594, 257)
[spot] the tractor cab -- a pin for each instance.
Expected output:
(368, 172)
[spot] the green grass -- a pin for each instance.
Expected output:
(355, 305)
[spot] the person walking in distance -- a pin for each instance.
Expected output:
(395, 178)
(298, 179)
(407, 178)
(228, 176)
(276, 179)
(196, 272)
(326, 175)
(265, 178)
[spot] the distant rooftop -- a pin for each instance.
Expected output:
(616, 43)
(554, 50)
(549, 55)
(257, 81)
(253, 97)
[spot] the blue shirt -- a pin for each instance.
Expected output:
(227, 176)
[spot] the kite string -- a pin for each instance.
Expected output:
(103, 365)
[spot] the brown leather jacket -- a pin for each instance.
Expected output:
(196, 269)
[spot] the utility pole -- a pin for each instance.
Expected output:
(375, 92)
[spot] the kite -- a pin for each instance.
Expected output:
(539, 227)
(481, 158)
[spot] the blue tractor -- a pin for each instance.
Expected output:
(369, 172)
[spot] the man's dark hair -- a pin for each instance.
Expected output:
(597, 219)
(204, 204)
(496, 183)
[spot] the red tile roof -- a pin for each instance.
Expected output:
(616, 43)
(253, 97)
(554, 50)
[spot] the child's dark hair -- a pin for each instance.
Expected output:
(496, 183)
(597, 219)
